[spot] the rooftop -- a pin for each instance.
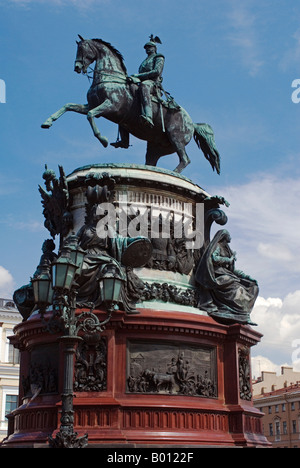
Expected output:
(293, 388)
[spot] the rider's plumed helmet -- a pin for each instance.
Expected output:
(153, 41)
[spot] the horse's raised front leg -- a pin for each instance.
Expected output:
(103, 110)
(80, 108)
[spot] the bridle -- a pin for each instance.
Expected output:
(83, 62)
(102, 74)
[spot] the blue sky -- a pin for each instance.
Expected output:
(228, 63)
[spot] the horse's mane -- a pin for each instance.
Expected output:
(114, 50)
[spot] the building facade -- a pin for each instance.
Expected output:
(9, 363)
(270, 381)
(281, 421)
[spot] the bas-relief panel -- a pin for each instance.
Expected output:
(171, 368)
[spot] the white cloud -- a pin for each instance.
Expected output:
(264, 221)
(7, 283)
(260, 364)
(280, 252)
(243, 35)
(279, 322)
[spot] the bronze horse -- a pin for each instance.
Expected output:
(112, 95)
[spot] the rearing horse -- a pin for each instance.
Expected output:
(114, 97)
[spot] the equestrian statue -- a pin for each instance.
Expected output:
(137, 105)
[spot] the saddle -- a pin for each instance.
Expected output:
(169, 102)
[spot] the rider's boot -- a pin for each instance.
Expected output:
(146, 115)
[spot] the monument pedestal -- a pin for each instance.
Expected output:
(127, 394)
(164, 372)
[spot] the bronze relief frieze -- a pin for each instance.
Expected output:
(171, 368)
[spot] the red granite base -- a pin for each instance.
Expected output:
(131, 414)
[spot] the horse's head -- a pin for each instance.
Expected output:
(92, 49)
(86, 54)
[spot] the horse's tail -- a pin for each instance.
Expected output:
(204, 137)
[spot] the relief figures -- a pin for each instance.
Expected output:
(171, 369)
(175, 239)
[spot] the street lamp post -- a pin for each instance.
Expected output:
(63, 277)
(62, 293)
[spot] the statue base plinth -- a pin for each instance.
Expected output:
(156, 379)
(163, 373)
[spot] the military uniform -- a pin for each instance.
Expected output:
(150, 74)
(149, 78)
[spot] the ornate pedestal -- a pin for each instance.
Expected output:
(171, 367)
(127, 391)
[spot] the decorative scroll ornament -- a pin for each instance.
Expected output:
(245, 374)
(91, 364)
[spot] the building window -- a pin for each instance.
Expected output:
(283, 407)
(270, 409)
(277, 430)
(284, 427)
(271, 429)
(11, 403)
(276, 408)
(293, 406)
(13, 355)
(294, 427)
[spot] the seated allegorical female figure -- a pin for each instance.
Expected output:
(227, 294)
(102, 253)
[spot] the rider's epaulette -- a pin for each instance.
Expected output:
(159, 55)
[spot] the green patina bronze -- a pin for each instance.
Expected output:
(228, 294)
(135, 103)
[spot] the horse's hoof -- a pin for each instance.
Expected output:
(179, 168)
(104, 141)
(182, 165)
(46, 125)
